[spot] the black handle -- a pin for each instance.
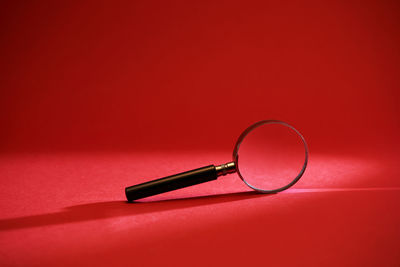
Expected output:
(172, 182)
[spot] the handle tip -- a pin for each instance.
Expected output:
(127, 195)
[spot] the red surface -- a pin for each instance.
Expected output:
(98, 96)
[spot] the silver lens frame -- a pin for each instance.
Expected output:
(235, 155)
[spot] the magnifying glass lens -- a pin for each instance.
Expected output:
(271, 156)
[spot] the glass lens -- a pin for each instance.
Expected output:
(270, 156)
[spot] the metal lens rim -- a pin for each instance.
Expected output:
(235, 155)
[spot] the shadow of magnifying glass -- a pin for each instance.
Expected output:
(112, 209)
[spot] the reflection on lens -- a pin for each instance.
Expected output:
(271, 156)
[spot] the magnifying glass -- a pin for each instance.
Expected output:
(269, 156)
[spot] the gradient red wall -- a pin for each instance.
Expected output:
(128, 75)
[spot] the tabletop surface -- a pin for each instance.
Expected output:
(65, 209)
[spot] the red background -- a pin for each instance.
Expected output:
(95, 96)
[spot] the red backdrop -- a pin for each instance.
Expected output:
(178, 74)
(158, 81)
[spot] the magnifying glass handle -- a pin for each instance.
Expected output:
(178, 181)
